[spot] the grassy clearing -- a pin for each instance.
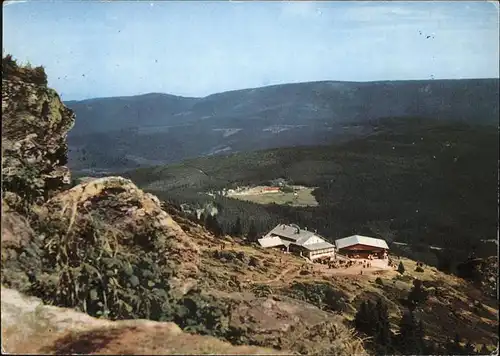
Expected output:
(304, 198)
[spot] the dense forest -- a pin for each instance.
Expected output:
(413, 180)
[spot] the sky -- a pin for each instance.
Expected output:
(116, 48)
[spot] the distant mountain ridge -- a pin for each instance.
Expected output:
(167, 128)
(127, 111)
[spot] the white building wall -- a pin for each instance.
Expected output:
(328, 253)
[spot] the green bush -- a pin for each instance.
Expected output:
(322, 295)
(373, 320)
(202, 314)
(9, 64)
(418, 295)
(97, 276)
(401, 268)
(39, 76)
(262, 290)
(11, 69)
(287, 189)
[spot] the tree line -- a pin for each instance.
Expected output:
(372, 320)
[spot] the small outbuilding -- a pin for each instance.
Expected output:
(357, 246)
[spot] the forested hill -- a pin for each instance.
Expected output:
(300, 103)
(152, 129)
(412, 180)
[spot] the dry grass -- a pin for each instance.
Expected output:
(451, 309)
(159, 339)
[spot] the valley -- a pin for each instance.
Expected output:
(412, 180)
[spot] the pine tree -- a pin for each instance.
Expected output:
(401, 267)
(237, 230)
(411, 334)
(218, 230)
(383, 333)
(361, 319)
(417, 294)
(372, 317)
(213, 225)
(252, 235)
(206, 220)
(432, 349)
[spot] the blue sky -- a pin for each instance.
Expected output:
(98, 49)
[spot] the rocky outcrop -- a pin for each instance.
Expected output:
(29, 326)
(34, 153)
(107, 248)
(103, 247)
(34, 127)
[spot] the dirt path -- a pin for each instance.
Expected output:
(378, 266)
(278, 277)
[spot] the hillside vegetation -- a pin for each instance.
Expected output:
(154, 129)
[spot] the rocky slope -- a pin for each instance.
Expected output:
(35, 124)
(29, 326)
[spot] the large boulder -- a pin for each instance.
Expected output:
(29, 326)
(35, 124)
(107, 248)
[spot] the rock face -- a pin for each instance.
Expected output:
(133, 216)
(104, 247)
(34, 127)
(28, 326)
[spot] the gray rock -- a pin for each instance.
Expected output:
(35, 124)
